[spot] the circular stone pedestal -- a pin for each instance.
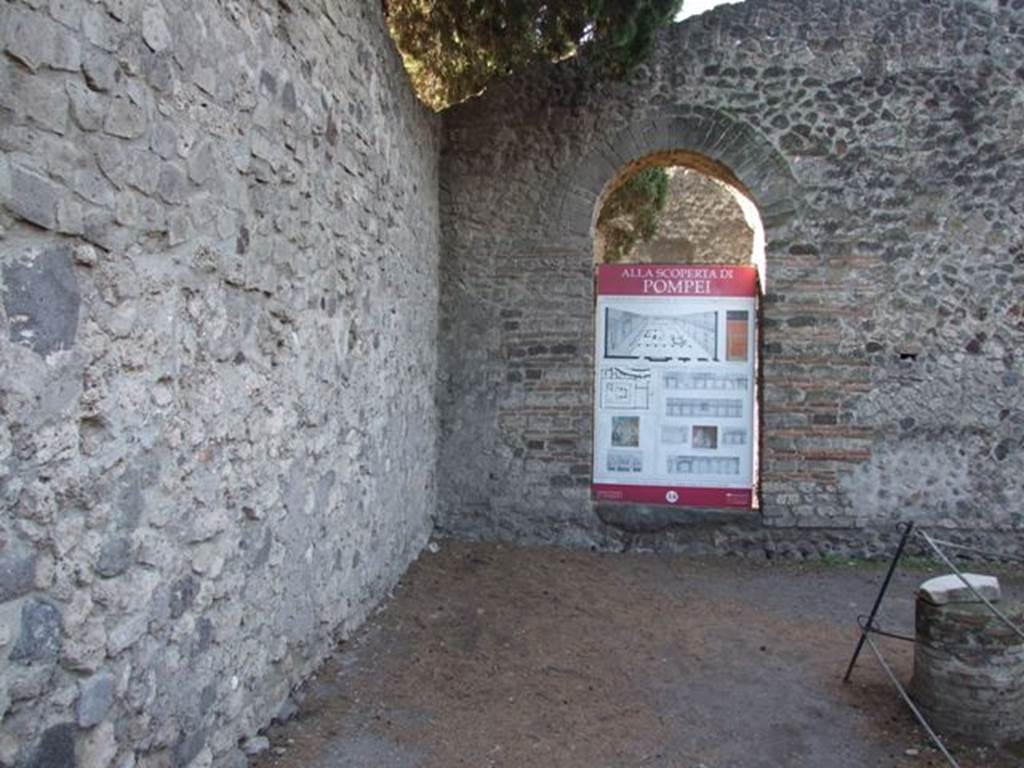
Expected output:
(968, 665)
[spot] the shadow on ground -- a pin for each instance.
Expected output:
(530, 657)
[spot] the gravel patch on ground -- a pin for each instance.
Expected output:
(492, 655)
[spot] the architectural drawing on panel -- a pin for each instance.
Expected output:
(626, 388)
(622, 461)
(637, 335)
(682, 379)
(685, 406)
(734, 437)
(703, 465)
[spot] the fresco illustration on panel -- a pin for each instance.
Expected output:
(636, 335)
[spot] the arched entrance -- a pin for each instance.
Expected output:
(679, 264)
(518, 439)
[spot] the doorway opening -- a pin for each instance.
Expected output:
(679, 251)
(678, 208)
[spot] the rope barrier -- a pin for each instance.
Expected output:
(977, 550)
(910, 703)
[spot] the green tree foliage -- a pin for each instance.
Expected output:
(453, 47)
(631, 212)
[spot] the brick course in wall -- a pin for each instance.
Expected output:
(881, 143)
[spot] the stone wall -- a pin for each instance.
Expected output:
(881, 142)
(218, 320)
(702, 223)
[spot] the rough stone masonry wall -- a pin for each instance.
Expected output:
(882, 143)
(701, 223)
(218, 249)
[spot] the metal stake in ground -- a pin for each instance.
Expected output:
(869, 625)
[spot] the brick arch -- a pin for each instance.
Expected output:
(709, 140)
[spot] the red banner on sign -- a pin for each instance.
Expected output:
(674, 495)
(667, 280)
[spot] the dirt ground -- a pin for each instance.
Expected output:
(540, 658)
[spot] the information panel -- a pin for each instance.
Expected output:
(674, 389)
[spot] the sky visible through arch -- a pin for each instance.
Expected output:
(695, 7)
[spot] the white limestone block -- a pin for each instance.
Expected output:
(943, 590)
